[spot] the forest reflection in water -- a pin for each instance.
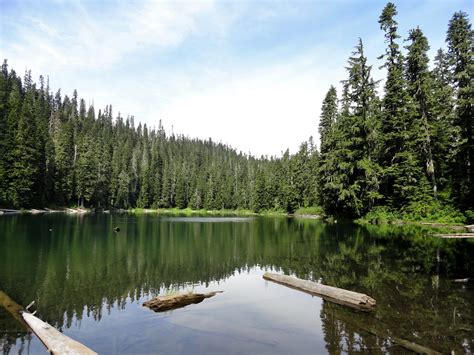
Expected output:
(89, 280)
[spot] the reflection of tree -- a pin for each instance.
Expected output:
(84, 267)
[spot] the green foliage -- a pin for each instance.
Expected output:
(432, 211)
(460, 39)
(310, 210)
(349, 173)
(405, 155)
(469, 216)
(379, 215)
(200, 212)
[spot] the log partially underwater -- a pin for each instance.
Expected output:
(55, 341)
(352, 299)
(369, 324)
(167, 303)
(13, 308)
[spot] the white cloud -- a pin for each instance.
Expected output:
(227, 70)
(80, 38)
(263, 111)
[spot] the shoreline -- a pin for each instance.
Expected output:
(220, 213)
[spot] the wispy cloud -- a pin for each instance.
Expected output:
(249, 73)
(80, 37)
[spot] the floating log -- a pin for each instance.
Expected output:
(55, 341)
(36, 211)
(9, 211)
(167, 303)
(463, 280)
(352, 299)
(455, 236)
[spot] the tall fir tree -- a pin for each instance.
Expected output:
(403, 175)
(420, 88)
(446, 142)
(460, 39)
(327, 119)
(349, 171)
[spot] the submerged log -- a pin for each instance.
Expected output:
(167, 303)
(12, 307)
(55, 341)
(352, 299)
(378, 328)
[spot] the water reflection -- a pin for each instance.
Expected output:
(82, 271)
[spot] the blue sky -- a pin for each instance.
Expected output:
(248, 73)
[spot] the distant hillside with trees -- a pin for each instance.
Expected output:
(406, 150)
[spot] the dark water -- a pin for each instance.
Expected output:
(90, 282)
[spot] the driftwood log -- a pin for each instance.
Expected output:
(468, 279)
(55, 341)
(355, 300)
(12, 307)
(455, 236)
(167, 303)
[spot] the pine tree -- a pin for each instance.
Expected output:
(420, 86)
(144, 198)
(86, 170)
(327, 119)
(446, 141)
(6, 140)
(349, 173)
(460, 39)
(24, 172)
(397, 156)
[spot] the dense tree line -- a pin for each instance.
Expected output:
(409, 148)
(58, 151)
(412, 147)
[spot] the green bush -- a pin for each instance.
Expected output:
(379, 215)
(310, 210)
(428, 210)
(432, 211)
(469, 216)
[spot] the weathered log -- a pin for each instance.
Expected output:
(12, 307)
(9, 211)
(455, 236)
(463, 280)
(470, 228)
(352, 299)
(167, 303)
(55, 341)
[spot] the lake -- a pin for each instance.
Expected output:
(90, 282)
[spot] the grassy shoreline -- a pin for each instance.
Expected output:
(301, 213)
(202, 212)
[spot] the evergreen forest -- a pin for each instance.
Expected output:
(398, 147)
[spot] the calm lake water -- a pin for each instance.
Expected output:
(91, 282)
